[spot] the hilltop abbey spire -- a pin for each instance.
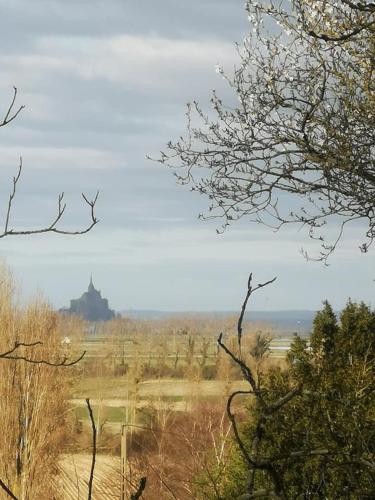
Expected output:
(91, 285)
(91, 306)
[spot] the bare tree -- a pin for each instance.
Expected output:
(11, 114)
(298, 147)
(20, 351)
(32, 420)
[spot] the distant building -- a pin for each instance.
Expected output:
(91, 306)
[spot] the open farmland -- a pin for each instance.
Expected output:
(148, 377)
(110, 402)
(75, 472)
(148, 349)
(165, 369)
(118, 388)
(134, 365)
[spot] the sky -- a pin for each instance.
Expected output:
(105, 84)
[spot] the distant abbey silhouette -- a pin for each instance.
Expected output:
(91, 306)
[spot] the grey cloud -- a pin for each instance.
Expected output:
(105, 83)
(61, 102)
(194, 19)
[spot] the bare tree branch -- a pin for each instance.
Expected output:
(250, 291)
(7, 490)
(254, 445)
(341, 37)
(91, 478)
(15, 357)
(246, 371)
(366, 24)
(251, 457)
(11, 114)
(237, 359)
(302, 127)
(61, 206)
(140, 490)
(18, 345)
(12, 195)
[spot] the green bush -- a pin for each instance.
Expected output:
(321, 443)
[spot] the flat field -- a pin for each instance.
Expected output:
(74, 475)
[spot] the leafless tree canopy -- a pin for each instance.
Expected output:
(33, 401)
(299, 145)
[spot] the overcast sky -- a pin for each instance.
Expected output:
(104, 84)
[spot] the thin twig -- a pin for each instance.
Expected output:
(9, 117)
(17, 345)
(342, 37)
(12, 195)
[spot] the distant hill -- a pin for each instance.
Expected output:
(299, 321)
